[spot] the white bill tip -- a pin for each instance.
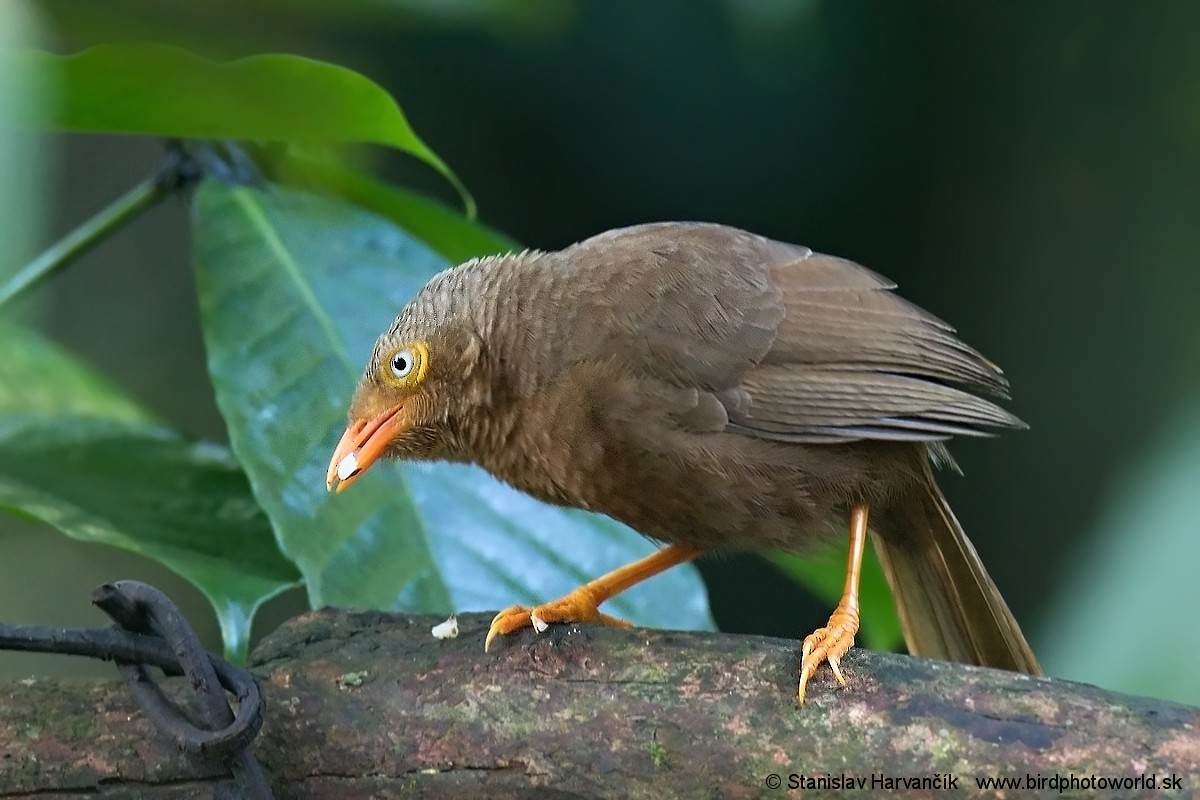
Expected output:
(347, 467)
(538, 624)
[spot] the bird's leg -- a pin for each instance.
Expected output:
(582, 605)
(831, 642)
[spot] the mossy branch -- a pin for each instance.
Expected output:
(369, 704)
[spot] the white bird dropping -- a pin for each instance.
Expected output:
(446, 630)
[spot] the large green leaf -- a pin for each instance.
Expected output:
(37, 377)
(293, 291)
(168, 91)
(141, 488)
(78, 453)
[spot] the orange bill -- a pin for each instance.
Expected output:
(363, 443)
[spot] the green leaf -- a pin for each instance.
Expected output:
(142, 488)
(84, 458)
(823, 572)
(167, 91)
(454, 238)
(37, 377)
(24, 179)
(294, 290)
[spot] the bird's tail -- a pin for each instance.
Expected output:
(948, 606)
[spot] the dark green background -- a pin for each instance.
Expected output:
(1028, 171)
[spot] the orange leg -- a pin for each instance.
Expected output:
(582, 604)
(831, 642)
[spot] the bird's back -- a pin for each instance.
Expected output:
(797, 346)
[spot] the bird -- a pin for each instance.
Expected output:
(715, 390)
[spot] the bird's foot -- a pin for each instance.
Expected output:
(578, 606)
(829, 644)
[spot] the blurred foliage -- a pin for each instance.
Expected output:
(79, 454)
(22, 160)
(276, 23)
(1126, 608)
(37, 377)
(143, 489)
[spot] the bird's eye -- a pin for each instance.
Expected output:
(402, 363)
(408, 364)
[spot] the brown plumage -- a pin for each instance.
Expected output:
(713, 389)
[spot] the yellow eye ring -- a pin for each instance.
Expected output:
(407, 365)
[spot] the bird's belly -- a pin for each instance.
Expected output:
(688, 503)
(693, 498)
(727, 491)
(711, 489)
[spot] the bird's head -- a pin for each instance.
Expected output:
(422, 387)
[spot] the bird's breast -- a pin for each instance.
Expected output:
(604, 442)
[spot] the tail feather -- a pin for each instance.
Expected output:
(948, 605)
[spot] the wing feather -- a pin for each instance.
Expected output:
(852, 360)
(795, 345)
(840, 313)
(690, 304)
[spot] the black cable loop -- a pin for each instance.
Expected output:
(150, 631)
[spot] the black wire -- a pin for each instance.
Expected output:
(150, 631)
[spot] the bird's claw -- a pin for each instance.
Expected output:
(577, 606)
(828, 644)
(510, 620)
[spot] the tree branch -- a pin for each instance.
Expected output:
(367, 704)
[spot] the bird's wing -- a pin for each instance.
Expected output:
(852, 360)
(795, 345)
(690, 304)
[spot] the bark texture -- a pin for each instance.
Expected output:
(367, 704)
